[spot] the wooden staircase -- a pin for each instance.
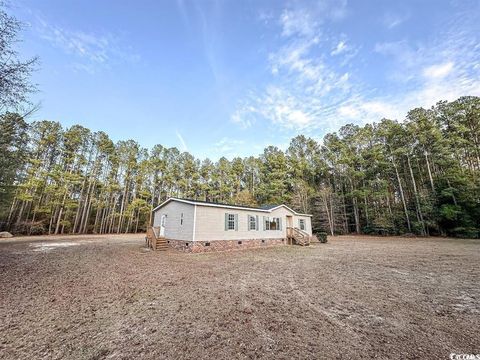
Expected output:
(154, 240)
(298, 237)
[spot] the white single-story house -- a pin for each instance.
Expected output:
(195, 226)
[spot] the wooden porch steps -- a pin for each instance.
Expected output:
(298, 237)
(154, 241)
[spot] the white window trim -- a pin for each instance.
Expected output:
(302, 224)
(276, 220)
(267, 223)
(230, 221)
(250, 218)
(269, 220)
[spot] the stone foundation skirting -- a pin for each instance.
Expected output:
(222, 245)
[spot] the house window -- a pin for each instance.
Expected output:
(301, 222)
(231, 222)
(252, 222)
(181, 219)
(272, 223)
(275, 224)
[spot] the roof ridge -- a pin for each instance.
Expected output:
(223, 204)
(214, 204)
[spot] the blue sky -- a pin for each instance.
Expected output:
(226, 78)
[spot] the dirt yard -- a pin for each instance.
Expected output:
(94, 297)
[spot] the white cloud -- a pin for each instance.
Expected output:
(183, 144)
(266, 16)
(392, 20)
(443, 69)
(284, 109)
(348, 111)
(244, 115)
(227, 146)
(340, 48)
(304, 86)
(297, 22)
(378, 108)
(93, 49)
(311, 93)
(304, 19)
(438, 70)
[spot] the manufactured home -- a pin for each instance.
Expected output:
(197, 226)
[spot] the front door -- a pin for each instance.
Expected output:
(163, 222)
(289, 228)
(289, 221)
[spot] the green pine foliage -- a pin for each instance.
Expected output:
(419, 176)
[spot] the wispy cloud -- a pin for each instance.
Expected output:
(245, 113)
(183, 144)
(442, 69)
(392, 20)
(298, 22)
(438, 70)
(344, 51)
(340, 48)
(305, 19)
(89, 50)
(310, 90)
(304, 86)
(227, 146)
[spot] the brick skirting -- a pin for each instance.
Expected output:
(222, 245)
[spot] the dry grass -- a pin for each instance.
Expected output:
(355, 297)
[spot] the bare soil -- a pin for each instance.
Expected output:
(95, 297)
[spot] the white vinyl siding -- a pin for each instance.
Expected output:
(172, 215)
(210, 222)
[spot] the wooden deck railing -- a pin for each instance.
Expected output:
(154, 240)
(299, 236)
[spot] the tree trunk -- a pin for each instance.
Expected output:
(86, 207)
(136, 224)
(402, 196)
(417, 200)
(52, 218)
(87, 214)
(12, 209)
(80, 206)
(429, 171)
(97, 217)
(20, 213)
(329, 215)
(122, 207)
(356, 213)
(59, 218)
(453, 195)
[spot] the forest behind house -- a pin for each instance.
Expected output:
(415, 176)
(418, 176)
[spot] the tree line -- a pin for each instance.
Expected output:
(418, 176)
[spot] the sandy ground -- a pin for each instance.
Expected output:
(95, 297)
